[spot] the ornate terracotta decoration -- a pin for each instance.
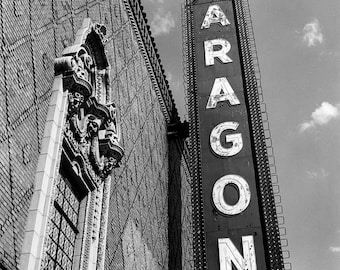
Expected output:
(91, 135)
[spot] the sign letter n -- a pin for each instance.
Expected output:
(230, 255)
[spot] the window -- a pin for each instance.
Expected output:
(63, 221)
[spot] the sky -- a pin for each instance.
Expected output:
(298, 46)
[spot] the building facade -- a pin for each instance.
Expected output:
(89, 71)
(95, 168)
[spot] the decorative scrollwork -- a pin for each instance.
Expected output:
(82, 65)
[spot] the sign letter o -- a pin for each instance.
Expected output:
(244, 194)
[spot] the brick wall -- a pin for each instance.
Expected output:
(179, 201)
(138, 204)
(33, 33)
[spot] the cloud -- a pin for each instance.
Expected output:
(162, 22)
(312, 33)
(170, 77)
(334, 249)
(320, 174)
(321, 116)
(174, 82)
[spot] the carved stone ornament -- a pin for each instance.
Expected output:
(91, 135)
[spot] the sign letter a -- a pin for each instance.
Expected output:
(222, 91)
(230, 255)
(214, 15)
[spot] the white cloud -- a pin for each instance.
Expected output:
(334, 249)
(174, 82)
(162, 22)
(170, 77)
(312, 33)
(321, 116)
(320, 174)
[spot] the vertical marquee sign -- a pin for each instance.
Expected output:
(232, 228)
